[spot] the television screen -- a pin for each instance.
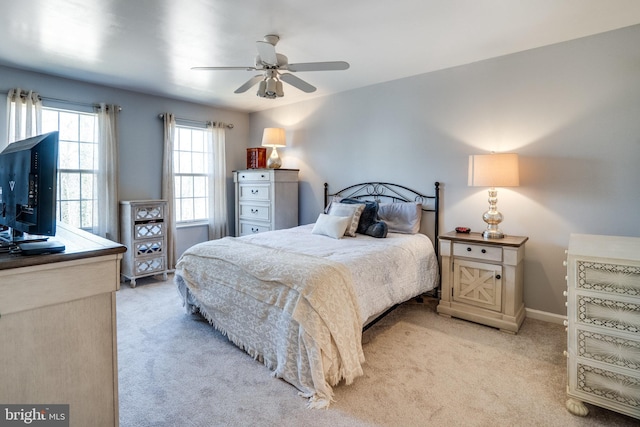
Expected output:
(28, 180)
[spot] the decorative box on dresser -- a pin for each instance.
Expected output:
(603, 323)
(143, 232)
(266, 199)
(483, 279)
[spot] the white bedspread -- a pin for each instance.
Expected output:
(385, 271)
(297, 301)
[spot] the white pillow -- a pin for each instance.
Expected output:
(331, 225)
(352, 211)
(401, 217)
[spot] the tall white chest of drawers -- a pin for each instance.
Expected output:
(143, 232)
(266, 199)
(603, 323)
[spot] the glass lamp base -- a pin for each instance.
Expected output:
(274, 162)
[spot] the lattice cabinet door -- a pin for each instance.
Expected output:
(143, 231)
(478, 284)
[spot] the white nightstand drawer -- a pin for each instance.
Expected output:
(255, 212)
(251, 228)
(482, 252)
(253, 176)
(150, 212)
(254, 192)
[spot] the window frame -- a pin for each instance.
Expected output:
(182, 150)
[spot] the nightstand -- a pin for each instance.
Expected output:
(482, 279)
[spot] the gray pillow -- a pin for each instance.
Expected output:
(401, 217)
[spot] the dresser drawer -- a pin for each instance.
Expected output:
(254, 176)
(258, 192)
(616, 279)
(148, 247)
(151, 212)
(145, 266)
(612, 350)
(609, 313)
(600, 385)
(255, 212)
(481, 252)
(148, 230)
(247, 228)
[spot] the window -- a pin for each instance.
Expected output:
(190, 170)
(78, 164)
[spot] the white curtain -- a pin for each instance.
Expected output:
(106, 185)
(24, 115)
(168, 188)
(217, 185)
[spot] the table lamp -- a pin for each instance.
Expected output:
(274, 137)
(493, 170)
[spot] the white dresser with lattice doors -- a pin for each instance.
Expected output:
(603, 323)
(143, 232)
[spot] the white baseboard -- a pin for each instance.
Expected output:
(545, 316)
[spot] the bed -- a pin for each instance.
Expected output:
(299, 299)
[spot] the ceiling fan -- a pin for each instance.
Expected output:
(273, 65)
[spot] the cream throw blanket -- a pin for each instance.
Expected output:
(296, 313)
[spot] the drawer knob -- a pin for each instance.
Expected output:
(565, 293)
(243, 176)
(565, 322)
(564, 263)
(254, 230)
(498, 276)
(254, 211)
(484, 251)
(262, 176)
(468, 249)
(254, 191)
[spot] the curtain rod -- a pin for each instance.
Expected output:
(23, 93)
(197, 122)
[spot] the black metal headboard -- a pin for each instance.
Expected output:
(381, 191)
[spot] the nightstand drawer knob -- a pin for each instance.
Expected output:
(564, 263)
(498, 276)
(468, 249)
(565, 293)
(565, 322)
(484, 251)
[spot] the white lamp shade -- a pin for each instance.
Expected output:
(494, 170)
(273, 137)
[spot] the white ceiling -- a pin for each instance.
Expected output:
(150, 45)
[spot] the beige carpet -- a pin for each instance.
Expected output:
(421, 370)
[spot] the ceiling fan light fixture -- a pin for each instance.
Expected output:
(279, 89)
(271, 87)
(262, 89)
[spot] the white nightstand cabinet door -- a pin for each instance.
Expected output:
(478, 284)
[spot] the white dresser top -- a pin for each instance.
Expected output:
(619, 247)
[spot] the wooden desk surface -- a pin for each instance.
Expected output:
(78, 244)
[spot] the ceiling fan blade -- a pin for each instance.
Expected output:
(252, 81)
(225, 68)
(318, 66)
(297, 82)
(267, 52)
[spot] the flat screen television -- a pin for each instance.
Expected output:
(28, 184)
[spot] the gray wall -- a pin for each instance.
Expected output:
(140, 133)
(571, 111)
